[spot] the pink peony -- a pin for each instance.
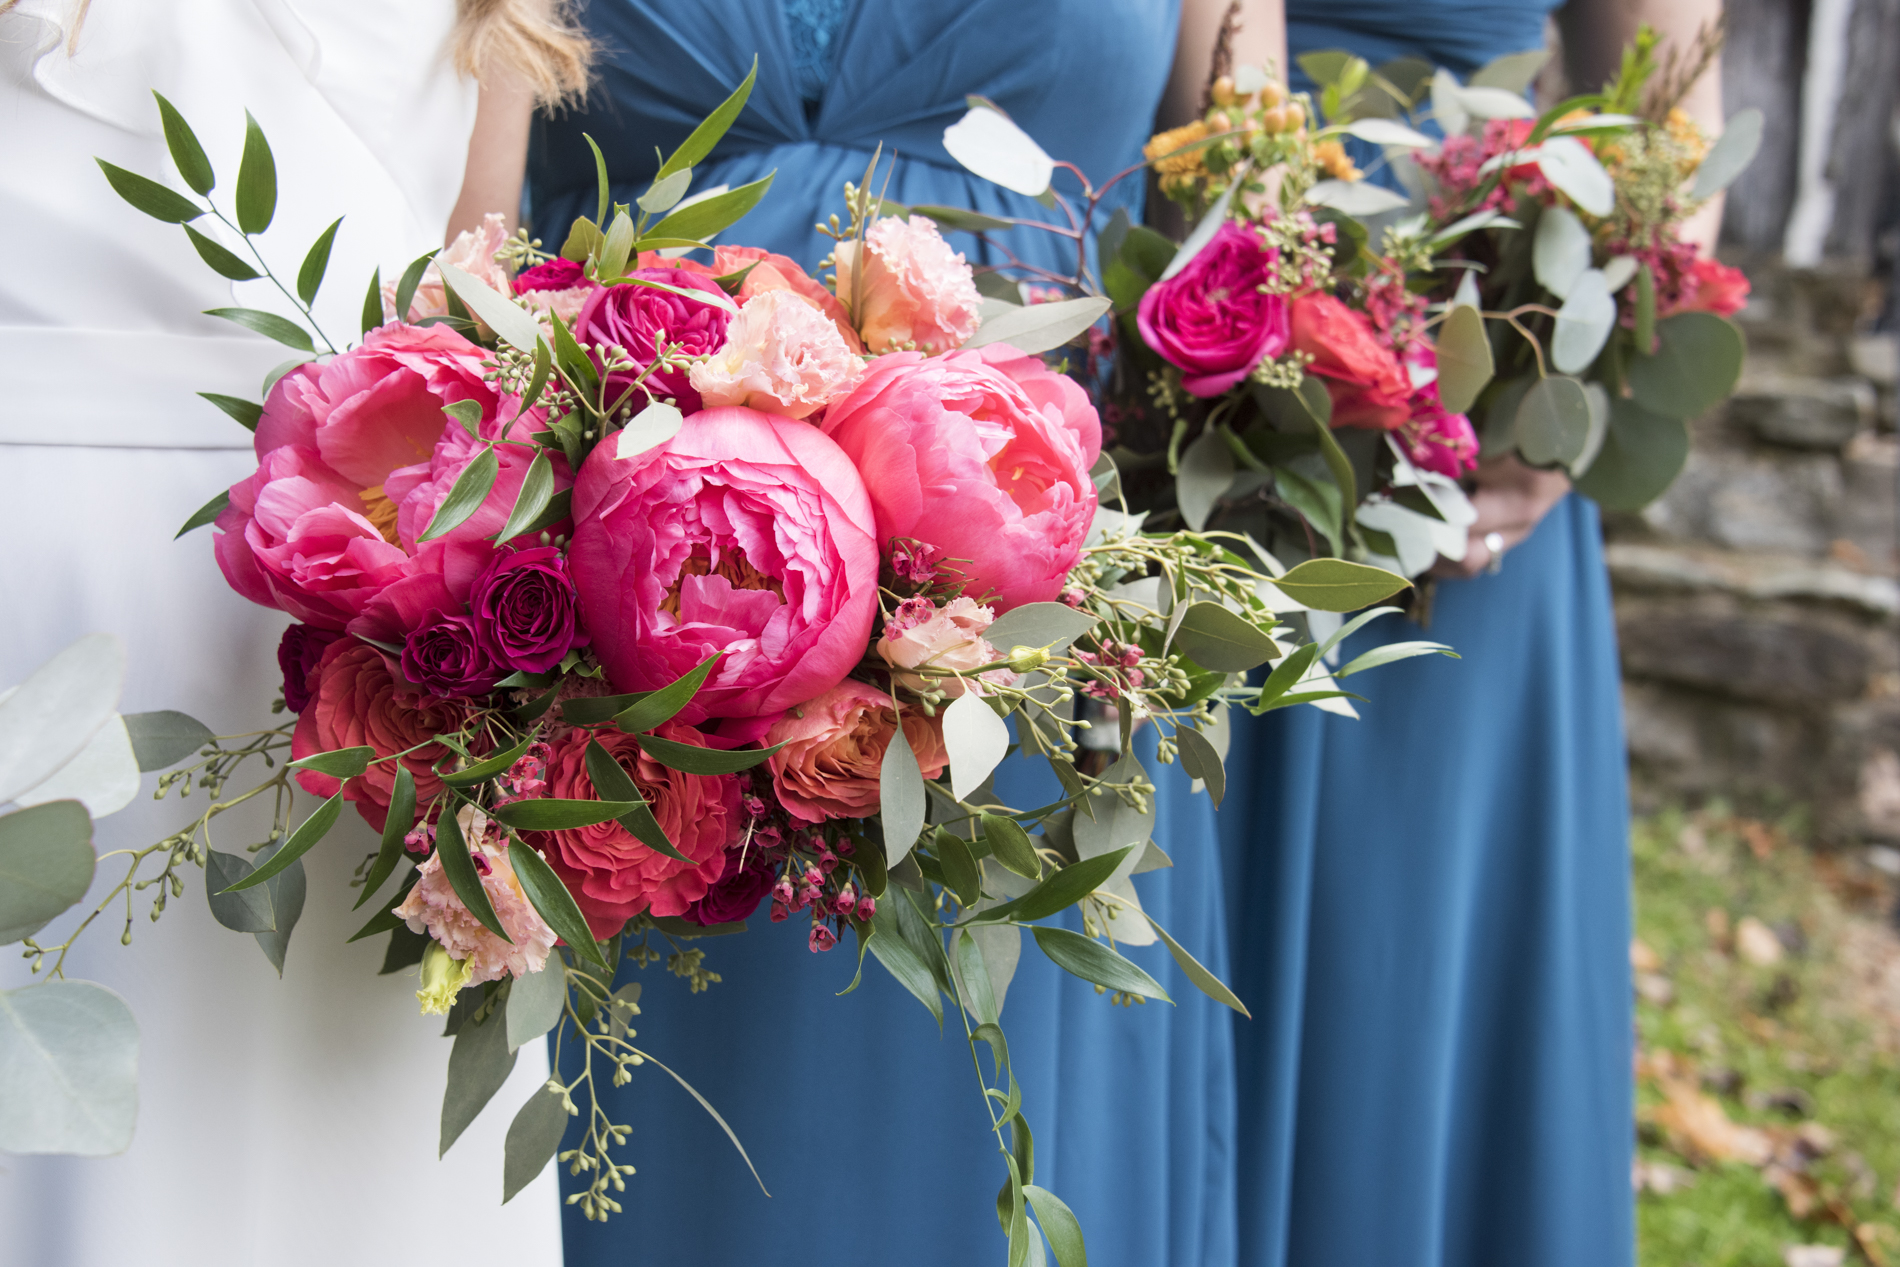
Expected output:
(1369, 386)
(765, 271)
(834, 750)
(433, 907)
(614, 877)
(746, 533)
(782, 356)
(354, 456)
(917, 292)
(473, 251)
(982, 455)
(921, 635)
(637, 319)
(1213, 320)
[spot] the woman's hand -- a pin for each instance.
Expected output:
(1511, 499)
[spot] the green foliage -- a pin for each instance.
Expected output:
(46, 865)
(164, 738)
(244, 412)
(268, 324)
(479, 1064)
(69, 1050)
(466, 496)
(257, 180)
(316, 263)
(301, 841)
(147, 195)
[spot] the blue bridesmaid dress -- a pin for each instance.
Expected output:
(1430, 907)
(866, 1124)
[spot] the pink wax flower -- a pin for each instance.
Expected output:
(748, 534)
(764, 271)
(637, 319)
(473, 251)
(1369, 386)
(612, 875)
(353, 456)
(1212, 320)
(981, 455)
(433, 907)
(834, 750)
(782, 356)
(919, 634)
(916, 292)
(357, 701)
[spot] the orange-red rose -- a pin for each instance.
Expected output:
(1368, 385)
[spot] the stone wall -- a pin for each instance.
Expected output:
(1757, 602)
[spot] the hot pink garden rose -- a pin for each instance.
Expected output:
(559, 286)
(782, 356)
(916, 292)
(834, 750)
(746, 533)
(354, 457)
(1212, 320)
(614, 877)
(637, 318)
(984, 455)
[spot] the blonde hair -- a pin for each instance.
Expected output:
(537, 41)
(72, 33)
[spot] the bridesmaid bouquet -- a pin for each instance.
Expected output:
(633, 594)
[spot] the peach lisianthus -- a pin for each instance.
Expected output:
(433, 907)
(921, 635)
(782, 356)
(473, 251)
(834, 750)
(916, 291)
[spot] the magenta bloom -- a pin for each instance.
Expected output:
(556, 274)
(526, 612)
(983, 455)
(443, 655)
(746, 533)
(297, 654)
(1436, 440)
(1211, 319)
(737, 893)
(639, 318)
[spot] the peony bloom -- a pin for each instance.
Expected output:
(558, 286)
(1212, 320)
(297, 655)
(1712, 286)
(917, 292)
(983, 455)
(834, 750)
(614, 877)
(746, 533)
(782, 356)
(1368, 385)
(354, 456)
(526, 612)
(433, 907)
(920, 635)
(357, 701)
(473, 251)
(764, 271)
(637, 319)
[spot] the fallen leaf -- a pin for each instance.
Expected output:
(1642, 958)
(1699, 1129)
(1660, 1177)
(1813, 1255)
(1655, 988)
(1757, 943)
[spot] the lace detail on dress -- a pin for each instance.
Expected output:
(814, 26)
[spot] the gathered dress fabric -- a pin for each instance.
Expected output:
(866, 1123)
(281, 1123)
(1430, 906)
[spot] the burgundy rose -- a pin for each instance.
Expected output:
(444, 655)
(736, 895)
(1212, 320)
(297, 655)
(637, 319)
(556, 274)
(526, 613)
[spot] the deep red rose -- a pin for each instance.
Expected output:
(443, 654)
(297, 654)
(526, 612)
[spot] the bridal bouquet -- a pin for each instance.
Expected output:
(634, 594)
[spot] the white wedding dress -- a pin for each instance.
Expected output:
(281, 1122)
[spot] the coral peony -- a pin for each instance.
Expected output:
(1369, 386)
(747, 534)
(1213, 320)
(980, 455)
(919, 635)
(916, 291)
(357, 701)
(782, 356)
(763, 271)
(433, 907)
(614, 877)
(834, 749)
(473, 251)
(638, 318)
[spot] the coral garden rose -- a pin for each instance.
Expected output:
(637, 319)
(981, 455)
(764, 271)
(1369, 387)
(354, 457)
(357, 701)
(916, 291)
(747, 534)
(920, 634)
(613, 876)
(433, 907)
(1212, 320)
(834, 750)
(782, 356)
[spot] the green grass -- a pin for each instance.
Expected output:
(1802, 1024)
